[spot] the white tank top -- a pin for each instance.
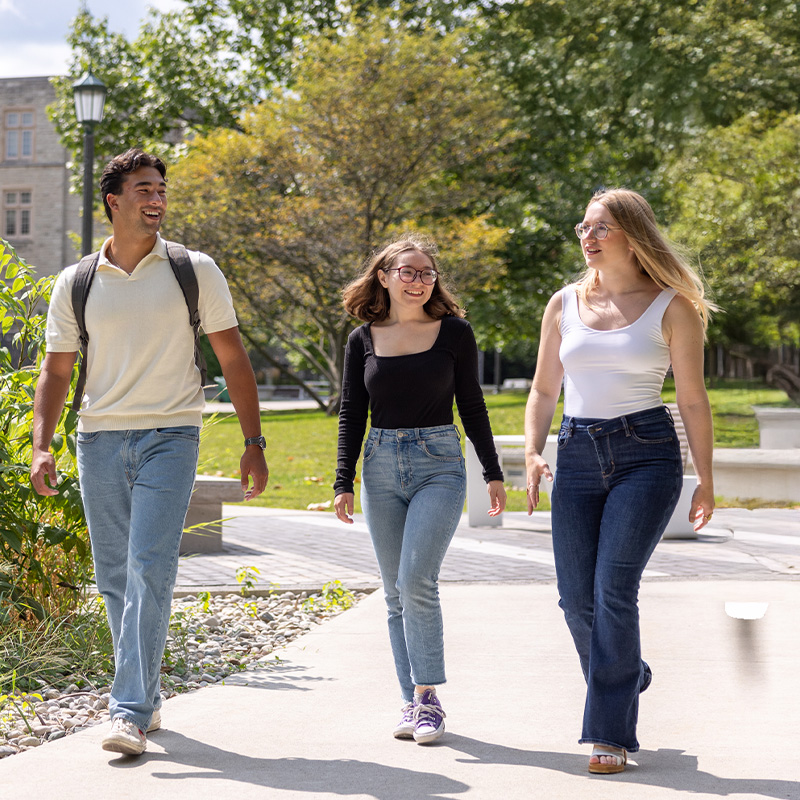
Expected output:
(611, 373)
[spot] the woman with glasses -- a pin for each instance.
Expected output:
(403, 367)
(637, 308)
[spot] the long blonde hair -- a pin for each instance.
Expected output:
(655, 255)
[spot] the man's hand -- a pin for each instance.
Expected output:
(43, 467)
(48, 403)
(253, 465)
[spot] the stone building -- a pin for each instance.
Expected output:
(37, 210)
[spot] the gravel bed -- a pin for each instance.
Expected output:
(209, 639)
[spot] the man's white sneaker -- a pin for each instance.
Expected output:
(155, 721)
(125, 738)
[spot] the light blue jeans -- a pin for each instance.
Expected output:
(136, 486)
(413, 490)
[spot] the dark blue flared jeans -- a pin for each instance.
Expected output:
(617, 483)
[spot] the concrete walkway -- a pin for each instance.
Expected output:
(720, 719)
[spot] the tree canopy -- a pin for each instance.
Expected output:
(737, 195)
(633, 94)
(382, 131)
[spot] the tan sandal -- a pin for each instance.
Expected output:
(619, 755)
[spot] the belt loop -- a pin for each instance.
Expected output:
(626, 426)
(571, 425)
(377, 435)
(669, 414)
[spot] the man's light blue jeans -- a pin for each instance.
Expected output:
(136, 486)
(413, 490)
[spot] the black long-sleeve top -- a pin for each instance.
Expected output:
(413, 391)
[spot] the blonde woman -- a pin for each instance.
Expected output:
(611, 337)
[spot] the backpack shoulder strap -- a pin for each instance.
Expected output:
(84, 275)
(187, 279)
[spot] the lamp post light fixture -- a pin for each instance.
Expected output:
(89, 94)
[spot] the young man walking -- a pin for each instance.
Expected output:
(140, 420)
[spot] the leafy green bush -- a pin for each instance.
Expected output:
(45, 559)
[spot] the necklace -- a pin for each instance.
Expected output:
(112, 260)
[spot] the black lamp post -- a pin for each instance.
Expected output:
(89, 94)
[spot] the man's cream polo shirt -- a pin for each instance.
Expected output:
(140, 366)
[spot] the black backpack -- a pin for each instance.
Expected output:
(184, 271)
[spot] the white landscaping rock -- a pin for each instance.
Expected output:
(235, 633)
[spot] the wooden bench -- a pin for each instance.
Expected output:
(205, 508)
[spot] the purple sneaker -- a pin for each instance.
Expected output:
(405, 728)
(429, 716)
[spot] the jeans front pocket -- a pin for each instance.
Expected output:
(88, 438)
(180, 432)
(370, 446)
(442, 448)
(653, 431)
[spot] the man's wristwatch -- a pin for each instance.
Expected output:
(259, 440)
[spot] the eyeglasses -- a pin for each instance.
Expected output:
(600, 229)
(409, 275)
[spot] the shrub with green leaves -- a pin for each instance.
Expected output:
(45, 559)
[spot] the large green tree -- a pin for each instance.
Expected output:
(195, 68)
(383, 130)
(189, 70)
(613, 93)
(603, 94)
(609, 90)
(737, 196)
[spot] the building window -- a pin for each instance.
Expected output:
(17, 213)
(19, 135)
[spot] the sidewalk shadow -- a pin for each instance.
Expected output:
(665, 768)
(319, 777)
(281, 676)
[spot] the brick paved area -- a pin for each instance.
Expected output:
(303, 550)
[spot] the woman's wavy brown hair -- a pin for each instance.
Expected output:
(368, 301)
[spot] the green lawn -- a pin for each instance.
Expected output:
(301, 445)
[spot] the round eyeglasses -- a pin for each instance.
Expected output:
(600, 230)
(409, 274)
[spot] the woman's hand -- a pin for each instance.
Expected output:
(343, 504)
(497, 497)
(702, 507)
(538, 468)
